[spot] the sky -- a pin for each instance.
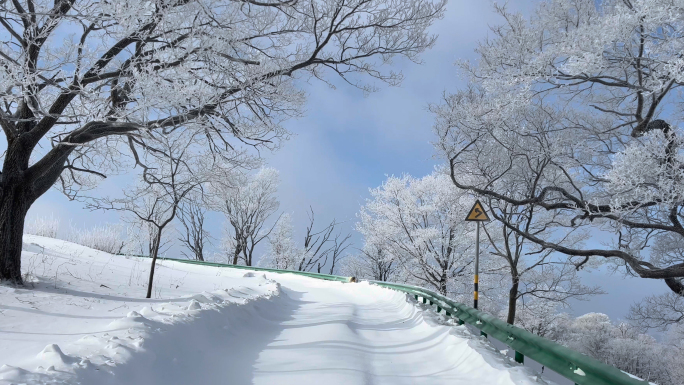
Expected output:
(348, 142)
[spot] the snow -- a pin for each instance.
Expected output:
(84, 308)
(83, 320)
(337, 333)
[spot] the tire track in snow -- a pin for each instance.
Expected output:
(361, 334)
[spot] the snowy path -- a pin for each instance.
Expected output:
(331, 333)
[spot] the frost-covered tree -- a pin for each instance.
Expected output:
(674, 362)
(615, 343)
(195, 237)
(578, 108)
(169, 175)
(420, 223)
(622, 346)
(282, 252)
(373, 263)
(81, 80)
(247, 202)
(541, 317)
(322, 247)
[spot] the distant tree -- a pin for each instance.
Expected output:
(321, 246)
(44, 226)
(541, 317)
(195, 237)
(248, 203)
(141, 237)
(674, 362)
(82, 80)
(420, 225)
(617, 344)
(374, 263)
(106, 237)
(282, 252)
(658, 311)
(354, 266)
(620, 345)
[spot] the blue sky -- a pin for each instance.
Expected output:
(349, 142)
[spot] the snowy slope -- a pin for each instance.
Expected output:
(90, 305)
(242, 329)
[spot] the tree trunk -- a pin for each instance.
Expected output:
(512, 300)
(248, 257)
(16, 197)
(14, 204)
(20, 186)
(236, 254)
(443, 284)
(199, 254)
(155, 251)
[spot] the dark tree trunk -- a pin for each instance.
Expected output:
(155, 252)
(512, 300)
(248, 256)
(443, 284)
(16, 197)
(20, 186)
(236, 254)
(14, 205)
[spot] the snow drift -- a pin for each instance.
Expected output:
(83, 318)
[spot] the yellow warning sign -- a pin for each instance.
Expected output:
(477, 213)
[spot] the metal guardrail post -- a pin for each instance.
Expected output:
(519, 357)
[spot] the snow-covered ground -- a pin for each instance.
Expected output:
(83, 319)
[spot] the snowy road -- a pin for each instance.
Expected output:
(331, 333)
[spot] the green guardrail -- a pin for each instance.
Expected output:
(326, 277)
(577, 367)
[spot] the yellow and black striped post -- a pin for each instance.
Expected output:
(477, 263)
(477, 214)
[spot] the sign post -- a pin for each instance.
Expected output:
(477, 214)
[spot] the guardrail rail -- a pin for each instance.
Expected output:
(577, 367)
(326, 277)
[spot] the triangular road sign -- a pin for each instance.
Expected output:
(477, 213)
